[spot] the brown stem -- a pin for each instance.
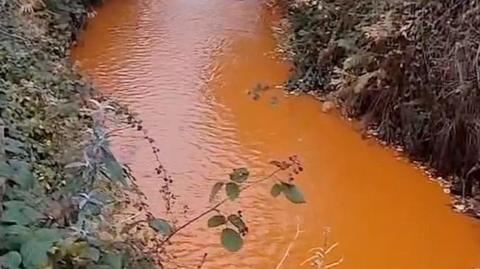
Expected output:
(214, 208)
(204, 258)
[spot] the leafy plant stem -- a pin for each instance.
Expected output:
(215, 207)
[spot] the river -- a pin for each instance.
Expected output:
(186, 66)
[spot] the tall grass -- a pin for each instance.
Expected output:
(409, 70)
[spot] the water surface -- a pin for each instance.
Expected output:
(185, 66)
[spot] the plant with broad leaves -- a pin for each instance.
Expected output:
(59, 228)
(233, 225)
(60, 184)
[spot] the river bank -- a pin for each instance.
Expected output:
(62, 191)
(407, 72)
(186, 68)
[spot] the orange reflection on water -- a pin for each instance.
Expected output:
(185, 66)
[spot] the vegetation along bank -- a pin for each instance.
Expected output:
(407, 70)
(60, 185)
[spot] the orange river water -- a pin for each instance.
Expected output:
(185, 66)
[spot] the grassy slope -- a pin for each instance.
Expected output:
(408, 70)
(52, 215)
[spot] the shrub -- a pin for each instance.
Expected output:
(408, 70)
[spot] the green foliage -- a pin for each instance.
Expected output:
(161, 226)
(215, 190)
(113, 167)
(216, 220)
(239, 175)
(231, 240)
(11, 260)
(19, 212)
(34, 253)
(234, 225)
(58, 185)
(233, 190)
(238, 222)
(292, 193)
(402, 70)
(276, 189)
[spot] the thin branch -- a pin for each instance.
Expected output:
(333, 264)
(214, 208)
(458, 65)
(318, 259)
(202, 262)
(287, 252)
(3, 155)
(117, 130)
(133, 216)
(477, 66)
(14, 36)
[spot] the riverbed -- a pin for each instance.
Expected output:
(186, 67)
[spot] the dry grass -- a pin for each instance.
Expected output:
(319, 255)
(409, 70)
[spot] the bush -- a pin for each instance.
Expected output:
(408, 70)
(59, 182)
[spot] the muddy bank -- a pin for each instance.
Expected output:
(60, 184)
(407, 71)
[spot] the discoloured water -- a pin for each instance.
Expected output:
(185, 66)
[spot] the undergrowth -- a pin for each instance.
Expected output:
(408, 70)
(60, 185)
(65, 200)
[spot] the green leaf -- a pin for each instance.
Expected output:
(21, 174)
(15, 235)
(161, 226)
(276, 189)
(217, 220)
(34, 254)
(114, 261)
(16, 230)
(47, 235)
(239, 175)
(90, 253)
(233, 191)
(113, 167)
(238, 222)
(11, 260)
(293, 193)
(231, 240)
(93, 209)
(215, 189)
(6, 170)
(18, 212)
(14, 146)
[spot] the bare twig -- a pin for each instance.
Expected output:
(318, 259)
(2, 141)
(477, 66)
(133, 216)
(458, 65)
(202, 262)
(14, 36)
(289, 248)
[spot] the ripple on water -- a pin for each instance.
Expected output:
(185, 67)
